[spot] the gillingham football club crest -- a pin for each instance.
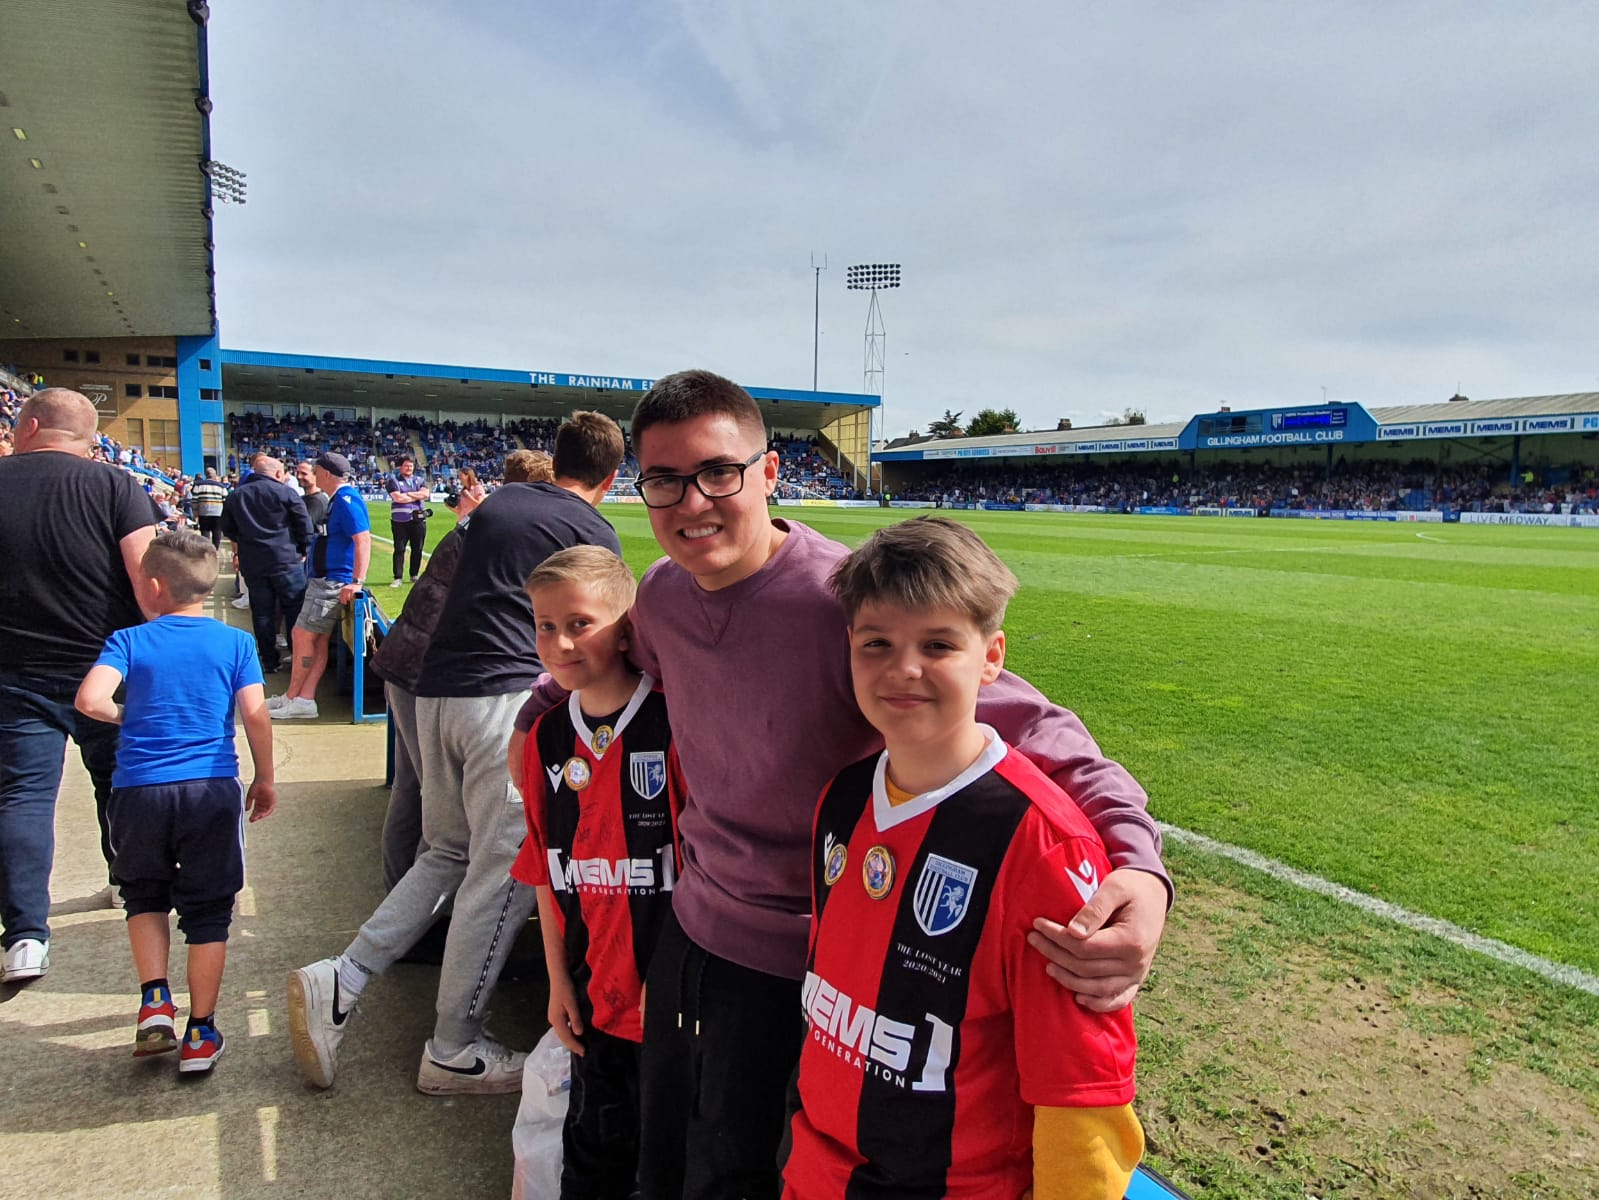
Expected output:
(835, 855)
(577, 773)
(943, 893)
(602, 739)
(646, 771)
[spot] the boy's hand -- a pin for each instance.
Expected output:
(563, 1015)
(1105, 953)
(261, 799)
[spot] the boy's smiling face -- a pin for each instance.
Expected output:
(917, 673)
(718, 541)
(580, 639)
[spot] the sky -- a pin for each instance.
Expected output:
(1097, 207)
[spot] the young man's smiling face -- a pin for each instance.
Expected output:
(718, 541)
(917, 673)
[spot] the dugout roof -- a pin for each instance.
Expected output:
(320, 383)
(103, 223)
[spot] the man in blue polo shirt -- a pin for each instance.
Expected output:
(338, 563)
(408, 493)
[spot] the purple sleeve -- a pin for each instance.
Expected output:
(639, 650)
(546, 695)
(1059, 745)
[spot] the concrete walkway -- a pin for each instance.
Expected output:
(80, 1117)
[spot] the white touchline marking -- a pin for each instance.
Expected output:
(1475, 942)
(377, 537)
(1432, 537)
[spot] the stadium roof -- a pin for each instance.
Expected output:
(103, 231)
(1476, 410)
(1025, 442)
(264, 377)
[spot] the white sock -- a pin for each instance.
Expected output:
(353, 977)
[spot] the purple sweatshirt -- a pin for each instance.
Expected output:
(763, 715)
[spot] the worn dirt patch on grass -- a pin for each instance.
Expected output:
(1277, 1063)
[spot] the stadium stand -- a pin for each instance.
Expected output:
(1371, 487)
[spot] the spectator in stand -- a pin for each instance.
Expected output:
(408, 495)
(69, 520)
(338, 563)
(266, 521)
(208, 495)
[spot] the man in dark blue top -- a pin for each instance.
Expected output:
(266, 519)
(408, 494)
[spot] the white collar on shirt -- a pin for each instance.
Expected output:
(887, 815)
(579, 723)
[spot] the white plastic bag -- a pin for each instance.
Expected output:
(536, 1136)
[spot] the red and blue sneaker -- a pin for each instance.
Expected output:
(157, 1032)
(202, 1046)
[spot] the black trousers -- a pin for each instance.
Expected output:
(410, 533)
(599, 1143)
(211, 527)
(720, 1044)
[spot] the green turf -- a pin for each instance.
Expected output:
(1407, 710)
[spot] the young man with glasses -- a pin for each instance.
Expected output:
(743, 600)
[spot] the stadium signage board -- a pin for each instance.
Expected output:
(1491, 427)
(603, 383)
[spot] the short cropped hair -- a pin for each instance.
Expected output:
(588, 447)
(591, 566)
(186, 562)
(924, 564)
(690, 394)
(529, 466)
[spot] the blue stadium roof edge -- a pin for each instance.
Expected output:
(327, 382)
(1331, 424)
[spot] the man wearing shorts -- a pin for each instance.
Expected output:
(339, 559)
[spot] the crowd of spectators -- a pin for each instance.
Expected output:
(477, 446)
(802, 471)
(1357, 487)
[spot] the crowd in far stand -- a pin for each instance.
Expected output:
(1358, 487)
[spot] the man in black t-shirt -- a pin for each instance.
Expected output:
(72, 536)
(478, 669)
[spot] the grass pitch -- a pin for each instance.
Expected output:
(1409, 711)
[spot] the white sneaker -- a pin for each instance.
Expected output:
(241, 602)
(299, 709)
(276, 702)
(28, 959)
(316, 1022)
(110, 896)
(282, 642)
(483, 1068)
(396, 583)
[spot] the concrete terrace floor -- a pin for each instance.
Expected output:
(80, 1117)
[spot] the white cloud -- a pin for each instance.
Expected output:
(1138, 206)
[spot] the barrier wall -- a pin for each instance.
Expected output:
(1559, 520)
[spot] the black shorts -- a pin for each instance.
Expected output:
(180, 845)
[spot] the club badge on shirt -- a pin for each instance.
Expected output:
(877, 872)
(577, 773)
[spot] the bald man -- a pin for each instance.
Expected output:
(71, 538)
(267, 521)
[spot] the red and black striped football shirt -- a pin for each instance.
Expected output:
(933, 1030)
(601, 797)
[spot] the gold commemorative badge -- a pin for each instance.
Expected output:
(837, 856)
(602, 739)
(577, 773)
(877, 872)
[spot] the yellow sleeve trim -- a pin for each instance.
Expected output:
(1085, 1153)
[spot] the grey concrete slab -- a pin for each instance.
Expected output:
(79, 1117)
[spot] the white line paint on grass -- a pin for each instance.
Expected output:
(1433, 537)
(1488, 947)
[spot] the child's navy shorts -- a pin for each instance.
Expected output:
(180, 845)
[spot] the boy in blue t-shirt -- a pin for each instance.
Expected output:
(177, 806)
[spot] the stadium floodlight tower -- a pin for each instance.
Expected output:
(873, 278)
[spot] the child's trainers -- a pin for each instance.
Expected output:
(158, 1031)
(202, 1046)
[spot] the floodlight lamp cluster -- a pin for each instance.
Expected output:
(227, 183)
(872, 277)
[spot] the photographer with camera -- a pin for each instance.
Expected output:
(408, 493)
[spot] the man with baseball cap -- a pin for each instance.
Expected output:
(338, 563)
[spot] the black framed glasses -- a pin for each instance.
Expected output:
(715, 482)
